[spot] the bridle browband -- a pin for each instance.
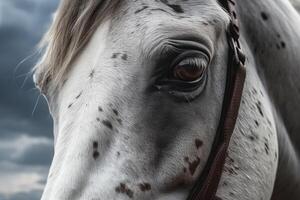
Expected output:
(207, 185)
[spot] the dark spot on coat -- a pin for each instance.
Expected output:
(95, 145)
(77, 97)
(186, 159)
(124, 57)
(278, 46)
(215, 21)
(192, 164)
(256, 123)
(251, 137)
(264, 16)
(120, 121)
(115, 55)
(108, 124)
(140, 10)
(230, 160)
(225, 183)
(96, 155)
(282, 44)
(278, 35)
(267, 149)
(100, 109)
(198, 143)
(98, 119)
(258, 105)
(122, 188)
(70, 105)
(92, 73)
(115, 112)
(144, 187)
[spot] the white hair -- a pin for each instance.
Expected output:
(74, 23)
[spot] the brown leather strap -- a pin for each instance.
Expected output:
(207, 185)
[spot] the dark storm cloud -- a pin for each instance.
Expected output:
(20, 31)
(26, 145)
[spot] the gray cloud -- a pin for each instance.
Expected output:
(26, 145)
(37, 154)
(33, 195)
(27, 151)
(25, 21)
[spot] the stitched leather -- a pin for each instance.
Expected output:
(207, 185)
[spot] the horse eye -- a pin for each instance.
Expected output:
(190, 69)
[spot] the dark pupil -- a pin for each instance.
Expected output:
(188, 72)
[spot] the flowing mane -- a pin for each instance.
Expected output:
(74, 23)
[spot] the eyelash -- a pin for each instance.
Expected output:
(167, 82)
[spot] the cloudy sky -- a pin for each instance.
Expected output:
(26, 145)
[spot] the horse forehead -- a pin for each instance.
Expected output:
(170, 3)
(168, 6)
(152, 22)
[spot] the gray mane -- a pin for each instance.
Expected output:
(74, 23)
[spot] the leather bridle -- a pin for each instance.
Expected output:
(207, 185)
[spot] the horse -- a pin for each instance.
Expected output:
(136, 88)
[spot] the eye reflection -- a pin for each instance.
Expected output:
(190, 69)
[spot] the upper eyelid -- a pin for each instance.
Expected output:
(161, 42)
(179, 45)
(195, 40)
(184, 44)
(180, 49)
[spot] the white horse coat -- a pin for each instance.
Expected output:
(119, 136)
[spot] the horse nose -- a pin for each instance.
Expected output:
(81, 151)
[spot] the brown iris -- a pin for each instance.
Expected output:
(190, 70)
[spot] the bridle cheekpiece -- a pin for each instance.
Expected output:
(207, 184)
